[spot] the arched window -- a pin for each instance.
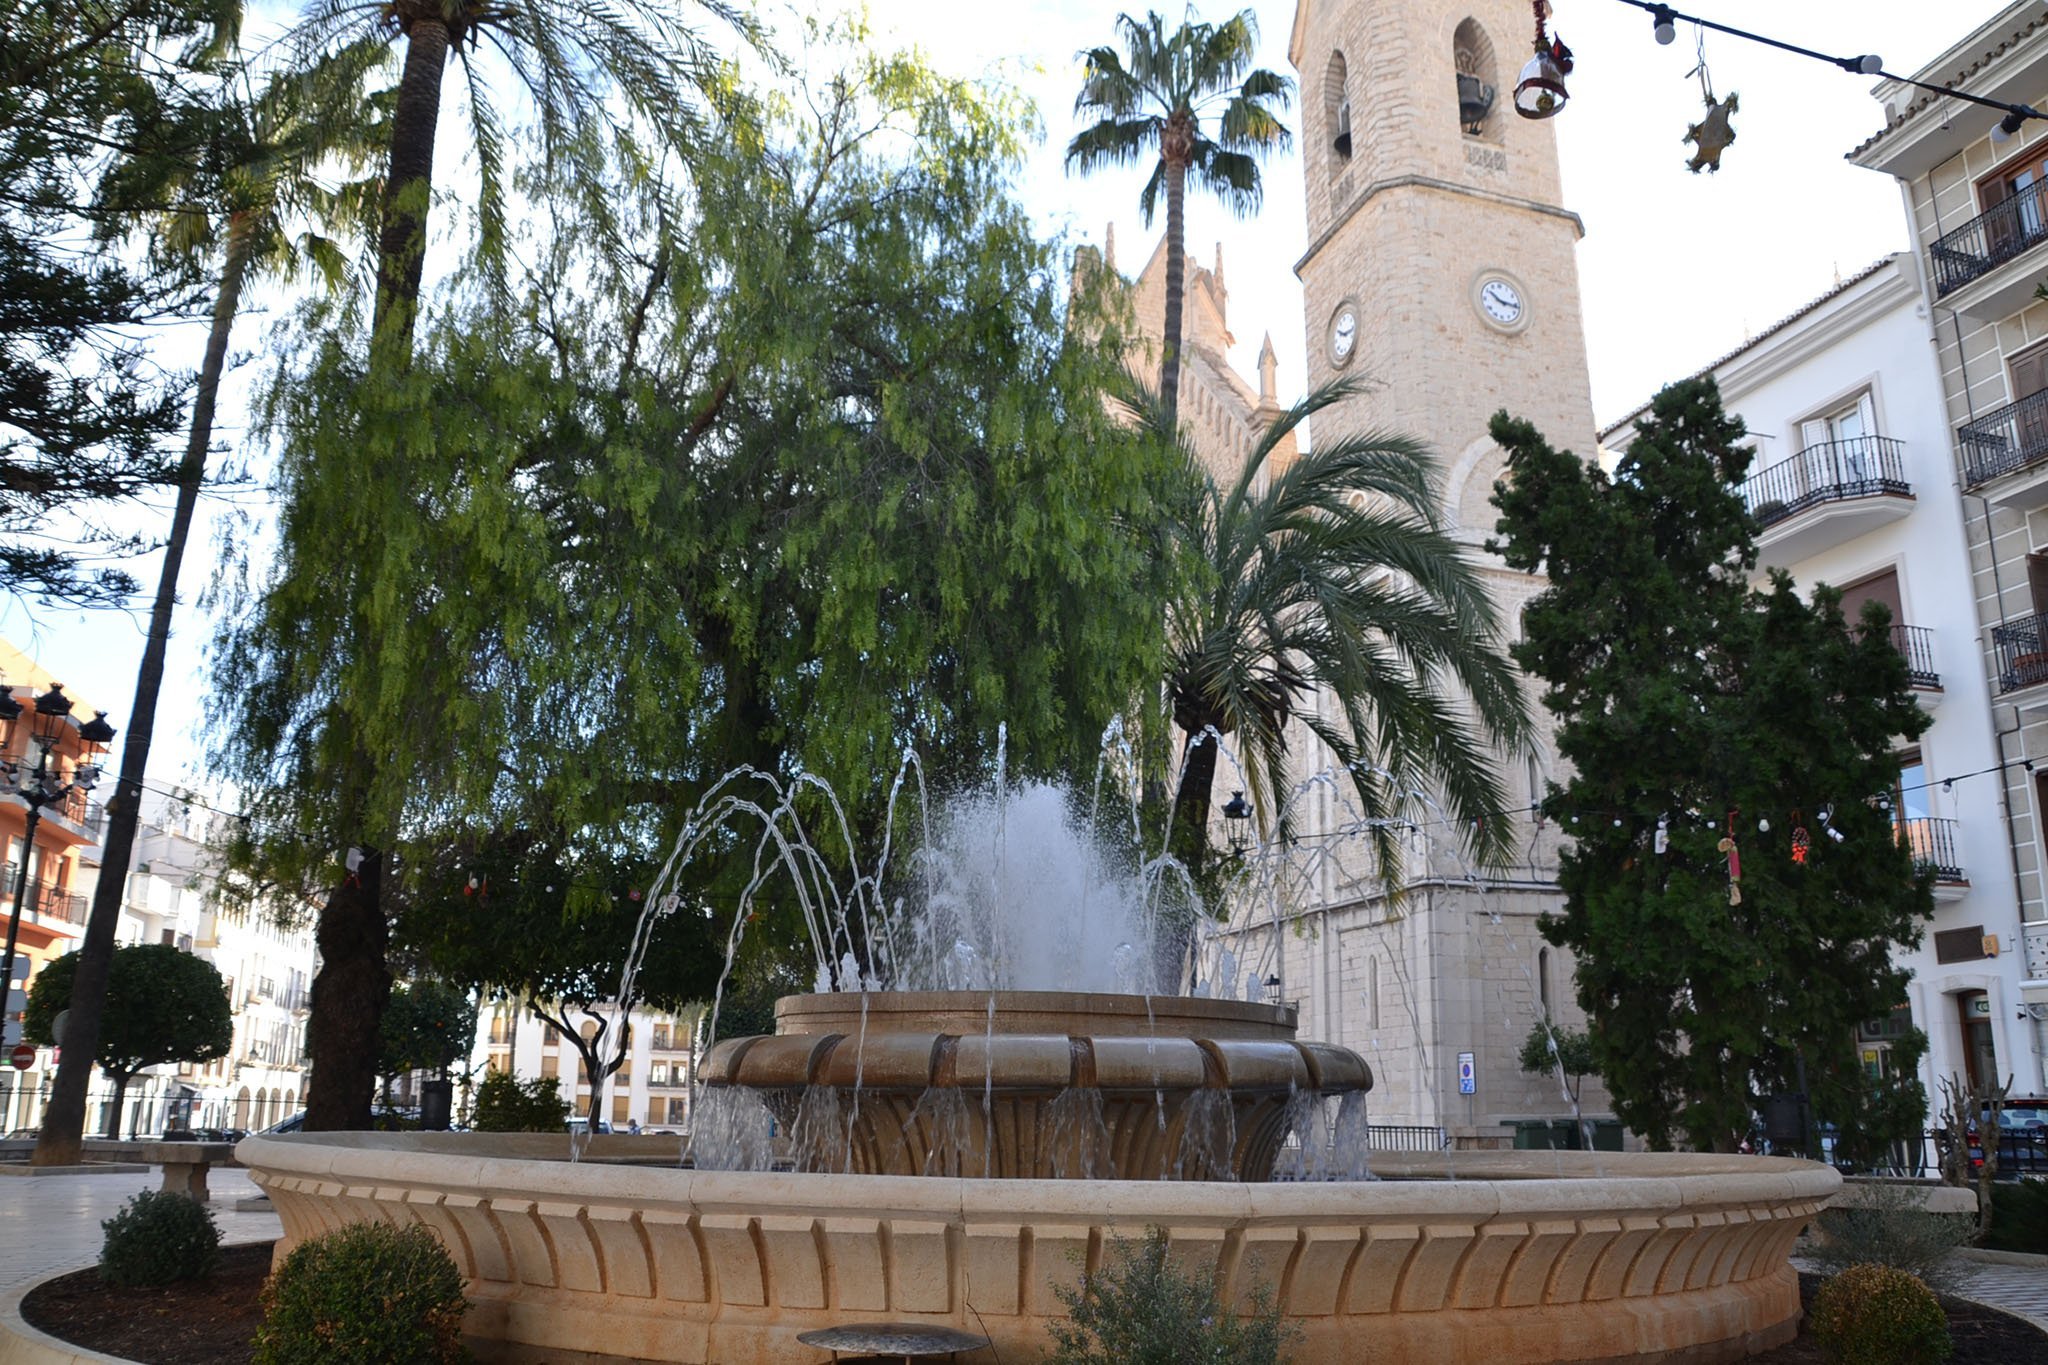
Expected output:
(1543, 979)
(1472, 55)
(1337, 110)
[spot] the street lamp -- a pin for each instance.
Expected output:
(1237, 818)
(41, 784)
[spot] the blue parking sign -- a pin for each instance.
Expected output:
(1468, 1075)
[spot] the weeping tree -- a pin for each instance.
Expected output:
(1191, 102)
(257, 177)
(342, 678)
(786, 463)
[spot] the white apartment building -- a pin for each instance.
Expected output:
(1852, 483)
(1972, 186)
(651, 1089)
(268, 969)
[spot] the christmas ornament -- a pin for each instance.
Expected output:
(1727, 846)
(1801, 844)
(1763, 827)
(1713, 134)
(1663, 835)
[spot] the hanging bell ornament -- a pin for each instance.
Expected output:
(1540, 92)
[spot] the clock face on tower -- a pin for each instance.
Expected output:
(1343, 338)
(1500, 302)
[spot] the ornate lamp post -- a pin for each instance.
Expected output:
(40, 784)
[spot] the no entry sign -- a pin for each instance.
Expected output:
(23, 1056)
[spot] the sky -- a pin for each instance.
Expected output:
(1675, 269)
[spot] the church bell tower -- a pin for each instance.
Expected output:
(1440, 263)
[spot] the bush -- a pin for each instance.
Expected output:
(506, 1105)
(158, 1238)
(2019, 1216)
(1142, 1309)
(1875, 1315)
(366, 1294)
(1893, 1228)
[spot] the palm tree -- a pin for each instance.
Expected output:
(1331, 571)
(571, 57)
(1191, 97)
(242, 182)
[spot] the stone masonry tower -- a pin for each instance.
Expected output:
(1440, 264)
(1440, 272)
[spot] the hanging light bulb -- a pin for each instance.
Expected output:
(1664, 25)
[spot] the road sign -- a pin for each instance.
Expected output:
(1468, 1075)
(23, 1056)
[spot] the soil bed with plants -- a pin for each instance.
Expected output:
(212, 1322)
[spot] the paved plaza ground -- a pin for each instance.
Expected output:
(52, 1223)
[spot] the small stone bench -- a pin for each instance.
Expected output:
(185, 1164)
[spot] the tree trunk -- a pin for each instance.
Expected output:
(64, 1121)
(1190, 841)
(114, 1110)
(408, 187)
(1176, 287)
(349, 995)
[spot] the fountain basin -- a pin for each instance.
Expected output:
(1501, 1257)
(1037, 1084)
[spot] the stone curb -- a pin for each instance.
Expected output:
(95, 1168)
(2002, 1257)
(21, 1344)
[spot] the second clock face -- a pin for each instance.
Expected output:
(1500, 301)
(1343, 334)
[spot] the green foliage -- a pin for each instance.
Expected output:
(428, 1025)
(1142, 1309)
(1336, 580)
(1685, 696)
(505, 1104)
(159, 1237)
(163, 1005)
(2019, 1216)
(1876, 1315)
(81, 413)
(1891, 1226)
(1548, 1049)
(365, 1294)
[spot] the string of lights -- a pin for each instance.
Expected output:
(1544, 76)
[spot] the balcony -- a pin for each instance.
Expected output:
(2034, 943)
(2021, 649)
(1916, 645)
(1827, 495)
(1933, 846)
(2007, 440)
(1967, 263)
(48, 903)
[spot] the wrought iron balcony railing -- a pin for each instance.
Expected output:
(1859, 467)
(2022, 649)
(1933, 845)
(42, 899)
(1989, 240)
(1916, 643)
(2004, 441)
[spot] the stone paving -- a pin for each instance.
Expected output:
(52, 1222)
(2021, 1290)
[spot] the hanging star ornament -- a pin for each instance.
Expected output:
(1712, 135)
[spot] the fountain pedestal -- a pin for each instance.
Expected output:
(1037, 1084)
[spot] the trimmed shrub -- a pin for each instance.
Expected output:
(366, 1294)
(159, 1237)
(1891, 1226)
(1141, 1308)
(507, 1105)
(1876, 1315)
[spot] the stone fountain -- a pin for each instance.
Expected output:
(957, 1156)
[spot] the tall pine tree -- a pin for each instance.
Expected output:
(1692, 702)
